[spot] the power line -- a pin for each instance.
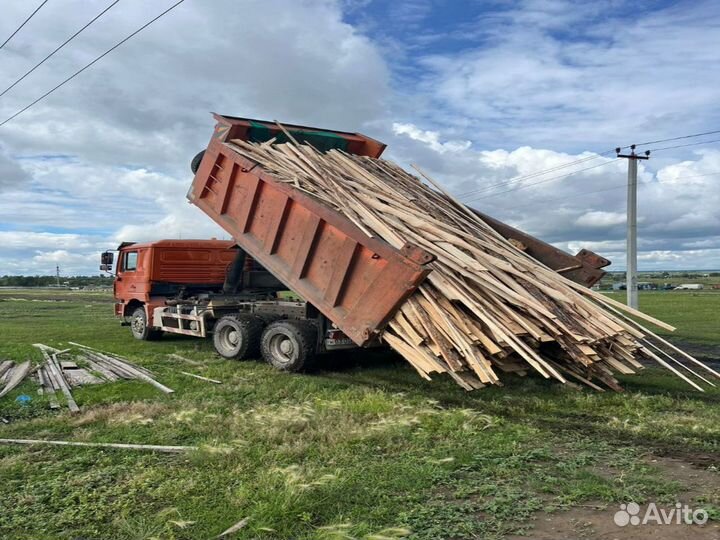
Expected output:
(679, 138)
(542, 172)
(583, 160)
(24, 23)
(696, 175)
(609, 188)
(544, 180)
(583, 194)
(68, 40)
(78, 72)
(684, 145)
(528, 176)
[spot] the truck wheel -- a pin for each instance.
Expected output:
(237, 336)
(289, 345)
(195, 163)
(140, 328)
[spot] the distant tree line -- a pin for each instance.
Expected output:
(47, 281)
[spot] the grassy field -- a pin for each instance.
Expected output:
(362, 448)
(695, 314)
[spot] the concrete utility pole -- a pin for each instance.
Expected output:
(57, 275)
(631, 267)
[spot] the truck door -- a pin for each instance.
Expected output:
(129, 278)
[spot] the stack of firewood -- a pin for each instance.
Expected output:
(487, 307)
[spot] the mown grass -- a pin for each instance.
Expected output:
(363, 448)
(695, 314)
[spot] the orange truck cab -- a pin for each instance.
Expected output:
(150, 273)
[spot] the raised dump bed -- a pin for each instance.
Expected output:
(356, 281)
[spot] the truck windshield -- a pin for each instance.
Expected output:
(130, 261)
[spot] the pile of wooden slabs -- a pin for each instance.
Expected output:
(487, 307)
(56, 375)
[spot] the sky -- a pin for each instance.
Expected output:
(515, 107)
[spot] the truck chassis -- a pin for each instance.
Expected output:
(287, 333)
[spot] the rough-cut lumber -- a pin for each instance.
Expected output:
(487, 306)
(15, 377)
(138, 374)
(5, 366)
(150, 447)
(235, 528)
(101, 369)
(201, 377)
(107, 356)
(56, 373)
(183, 359)
(122, 367)
(80, 377)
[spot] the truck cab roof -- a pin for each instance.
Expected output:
(180, 244)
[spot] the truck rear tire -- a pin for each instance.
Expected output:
(237, 337)
(140, 328)
(289, 345)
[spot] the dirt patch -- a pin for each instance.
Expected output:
(597, 521)
(590, 524)
(702, 351)
(698, 459)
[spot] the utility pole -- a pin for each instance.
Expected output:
(631, 266)
(57, 274)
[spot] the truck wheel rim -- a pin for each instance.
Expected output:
(283, 348)
(230, 338)
(138, 325)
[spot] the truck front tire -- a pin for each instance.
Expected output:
(289, 345)
(140, 328)
(237, 337)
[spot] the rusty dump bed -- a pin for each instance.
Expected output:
(583, 268)
(355, 281)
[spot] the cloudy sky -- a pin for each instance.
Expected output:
(477, 93)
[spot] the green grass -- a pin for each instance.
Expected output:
(695, 314)
(362, 448)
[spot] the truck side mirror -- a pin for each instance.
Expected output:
(106, 259)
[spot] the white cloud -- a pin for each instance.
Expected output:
(108, 154)
(148, 102)
(11, 174)
(63, 256)
(575, 208)
(600, 219)
(43, 240)
(430, 138)
(660, 256)
(573, 76)
(106, 157)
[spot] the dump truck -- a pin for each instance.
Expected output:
(211, 287)
(325, 285)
